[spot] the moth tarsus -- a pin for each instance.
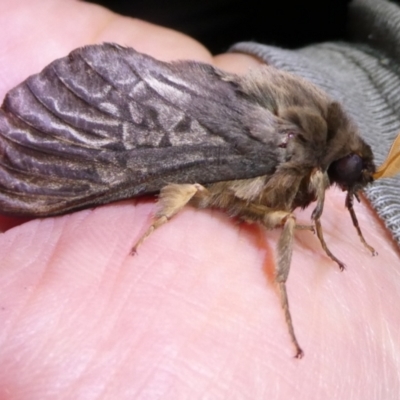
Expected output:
(80, 134)
(133, 251)
(285, 305)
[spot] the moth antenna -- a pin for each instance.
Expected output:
(349, 205)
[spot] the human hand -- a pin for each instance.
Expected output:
(194, 314)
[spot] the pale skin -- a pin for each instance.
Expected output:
(194, 314)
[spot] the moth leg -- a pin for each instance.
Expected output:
(319, 182)
(171, 200)
(349, 206)
(285, 249)
(302, 227)
(320, 235)
(272, 219)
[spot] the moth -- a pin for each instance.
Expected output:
(107, 123)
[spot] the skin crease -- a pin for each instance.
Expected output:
(194, 314)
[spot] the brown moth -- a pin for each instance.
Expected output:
(108, 123)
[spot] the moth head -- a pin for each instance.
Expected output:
(326, 138)
(323, 135)
(356, 169)
(353, 171)
(351, 165)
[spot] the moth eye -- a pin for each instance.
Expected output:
(347, 170)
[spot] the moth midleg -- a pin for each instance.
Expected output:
(171, 200)
(349, 206)
(284, 250)
(271, 219)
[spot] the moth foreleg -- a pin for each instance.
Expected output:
(349, 206)
(320, 235)
(319, 182)
(171, 200)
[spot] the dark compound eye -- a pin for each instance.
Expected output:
(346, 171)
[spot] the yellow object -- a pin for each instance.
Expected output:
(391, 166)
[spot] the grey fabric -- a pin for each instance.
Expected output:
(364, 74)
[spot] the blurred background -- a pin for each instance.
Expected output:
(220, 23)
